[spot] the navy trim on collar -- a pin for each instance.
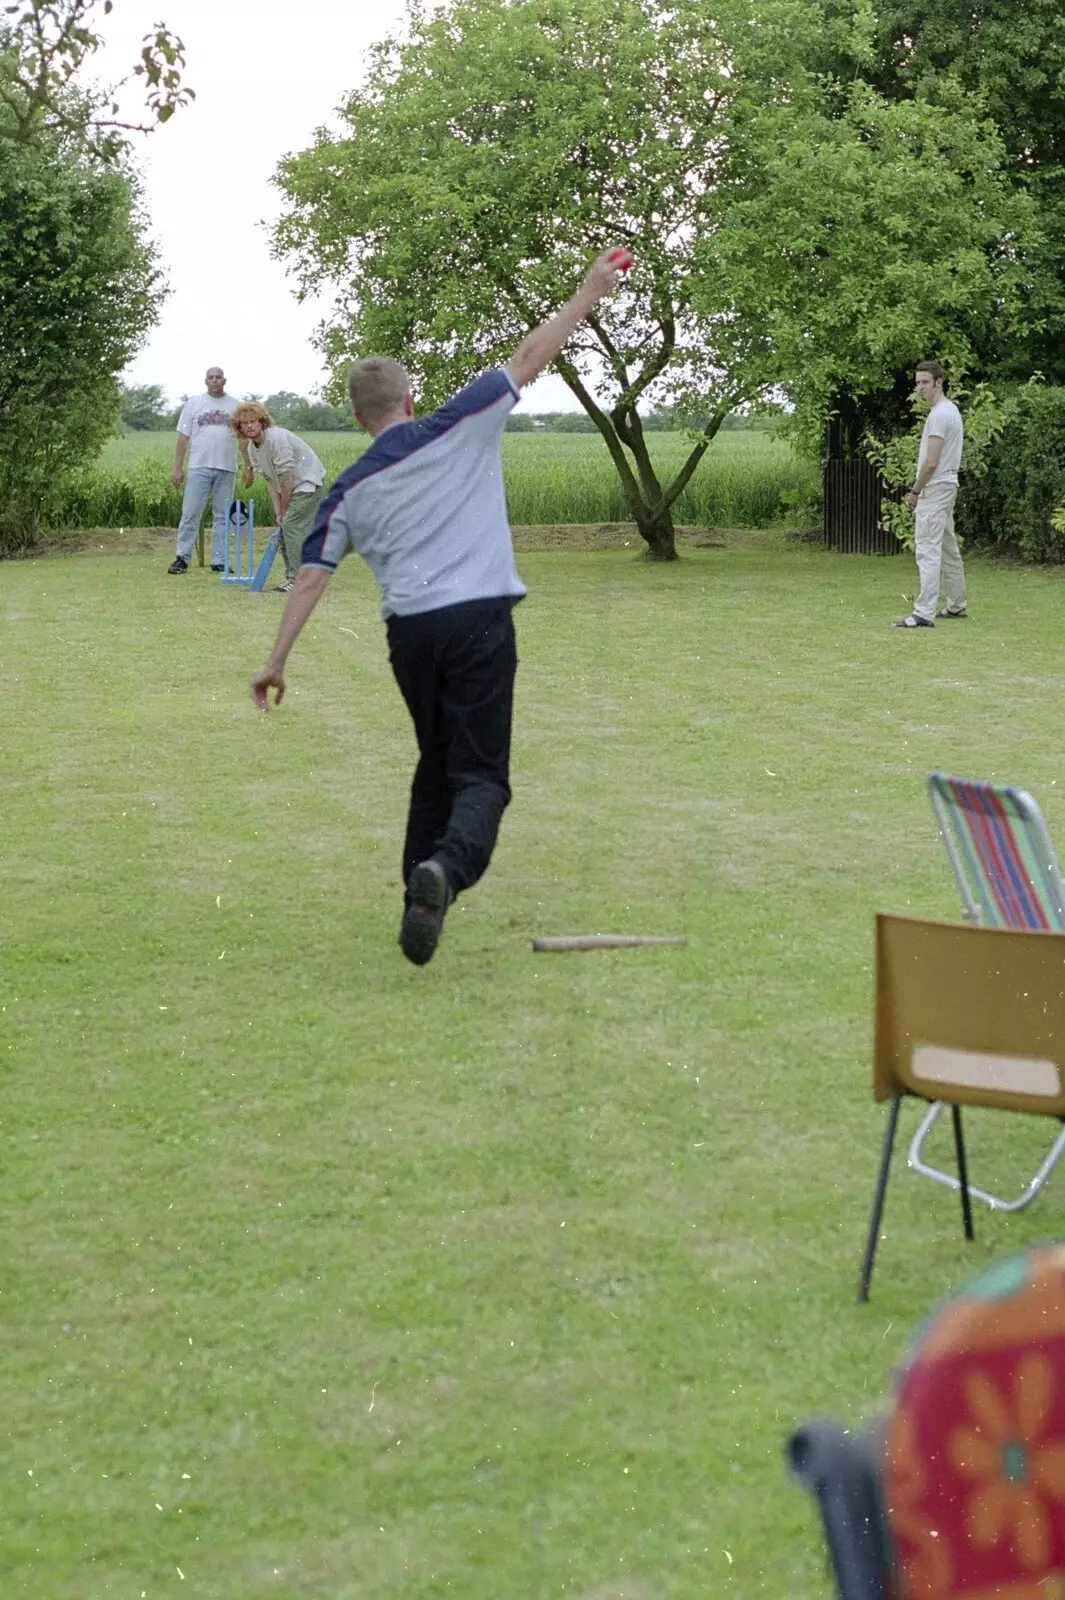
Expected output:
(401, 441)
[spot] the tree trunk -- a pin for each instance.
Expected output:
(659, 535)
(649, 506)
(654, 518)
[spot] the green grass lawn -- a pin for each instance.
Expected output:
(325, 1276)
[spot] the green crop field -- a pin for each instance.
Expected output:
(505, 1278)
(551, 478)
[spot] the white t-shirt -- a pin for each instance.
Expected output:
(944, 422)
(205, 423)
(284, 454)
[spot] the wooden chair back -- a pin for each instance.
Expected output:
(970, 1015)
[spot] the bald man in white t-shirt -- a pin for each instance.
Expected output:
(205, 437)
(931, 498)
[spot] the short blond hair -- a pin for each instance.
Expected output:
(250, 411)
(377, 385)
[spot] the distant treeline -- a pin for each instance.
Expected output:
(663, 419)
(144, 409)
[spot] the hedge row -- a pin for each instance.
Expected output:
(1010, 506)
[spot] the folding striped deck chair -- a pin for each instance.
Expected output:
(1009, 877)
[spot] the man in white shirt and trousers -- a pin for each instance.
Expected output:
(206, 438)
(931, 498)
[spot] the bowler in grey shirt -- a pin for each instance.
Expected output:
(425, 508)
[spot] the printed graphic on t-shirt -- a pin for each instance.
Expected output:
(205, 421)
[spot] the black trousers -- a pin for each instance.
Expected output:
(455, 668)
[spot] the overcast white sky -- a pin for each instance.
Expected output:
(266, 74)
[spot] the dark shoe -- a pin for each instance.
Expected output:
(179, 564)
(913, 621)
(217, 566)
(427, 901)
(952, 616)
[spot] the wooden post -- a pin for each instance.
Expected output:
(603, 941)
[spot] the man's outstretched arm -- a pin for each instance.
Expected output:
(308, 589)
(539, 348)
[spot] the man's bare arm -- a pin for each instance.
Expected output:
(928, 470)
(179, 458)
(539, 348)
(284, 495)
(310, 585)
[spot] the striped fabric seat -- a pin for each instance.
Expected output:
(1001, 854)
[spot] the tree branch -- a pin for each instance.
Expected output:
(630, 488)
(627, 421)
(680, 482)
(45, 50)
(633, 389)
(610, 350)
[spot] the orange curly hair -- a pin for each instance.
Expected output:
(250, 411)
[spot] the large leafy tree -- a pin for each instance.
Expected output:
(863, 235)
(498, 144)
(1013, 57)
(79, 283)
(485, 159)
(44, 44)
(143, 407)
(79, 289)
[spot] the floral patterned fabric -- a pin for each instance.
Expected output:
(974, 1475)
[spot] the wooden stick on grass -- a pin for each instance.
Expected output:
(604, 941)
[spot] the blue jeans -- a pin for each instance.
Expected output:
(199, 483)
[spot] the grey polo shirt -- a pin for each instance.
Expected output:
(283, 454)
(425, 506)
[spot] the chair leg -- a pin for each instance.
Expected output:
(878, 1200)
(963, 1173)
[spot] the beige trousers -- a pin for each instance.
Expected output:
(299, 520)
(936, 548)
